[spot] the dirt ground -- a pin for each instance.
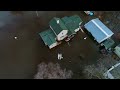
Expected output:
(19, 58)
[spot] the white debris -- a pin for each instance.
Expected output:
(60, 56)
(15, 37)
(85, 37)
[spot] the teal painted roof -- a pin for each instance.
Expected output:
(57, 27)
(108, 43)
(76, 19)
(72, 23)
(69, 24)
(48, 37)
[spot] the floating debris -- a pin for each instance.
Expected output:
(60, 56)
(85, 37)
(16, 38)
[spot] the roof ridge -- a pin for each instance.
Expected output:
(50, 36)
(100, 27)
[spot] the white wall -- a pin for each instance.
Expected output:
(62, 35)
(53, 45)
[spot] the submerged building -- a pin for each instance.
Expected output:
(61, 29)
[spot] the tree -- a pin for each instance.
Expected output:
(52, 71)
(91, 71)
(97, 70)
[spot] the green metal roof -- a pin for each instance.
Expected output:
(108, 43)
(65, 19)
(69, 24)
(76, 19)
(48, 37)
(57, 27)
(72, 23)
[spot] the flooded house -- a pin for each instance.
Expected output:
(73, 24)
(49, 38)
(58, 28)
(101, 33)
(61, 29)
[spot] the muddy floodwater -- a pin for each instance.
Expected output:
(20, 56)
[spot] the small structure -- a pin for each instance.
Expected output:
(113, 72)
(60, 56)
(61, 29)
(98, 30)
(117, 50)
(108, 43)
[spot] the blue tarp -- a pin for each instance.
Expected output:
(98, 30)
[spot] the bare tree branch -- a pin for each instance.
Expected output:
(97, 71)
(52, 71)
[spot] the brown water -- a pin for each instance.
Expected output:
(19, 58)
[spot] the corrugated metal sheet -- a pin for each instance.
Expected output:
(99, 31)
(72, 23)
(57, 27)
(48, 37)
